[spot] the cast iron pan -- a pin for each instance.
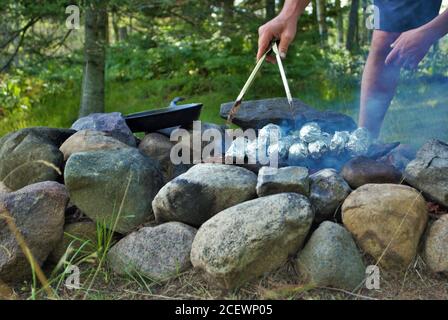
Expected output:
(153, 120)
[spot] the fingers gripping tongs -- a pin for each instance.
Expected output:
(273, 48)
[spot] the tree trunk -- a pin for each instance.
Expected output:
(123, 33)
(270, 9)
(115, 26)
(352, 32)
(92, 99)
(323, 30)
(227, 7)
(364, 31)
(339, 24)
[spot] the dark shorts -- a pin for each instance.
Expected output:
(404, 15)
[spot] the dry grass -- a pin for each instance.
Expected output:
(414, 283)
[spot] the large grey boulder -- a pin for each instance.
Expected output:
(31, 155)
(252, 238)
(436, 245)
(112, 123)
(56, 136)
(331, 258)
(113, 186)
(328, 191)
(429, 171)
(386, 221)
(201, 192)
(38, 213)
(155, 252)
(90, 140)
(258, 113)
(288, 179)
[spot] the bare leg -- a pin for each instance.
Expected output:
(379, 83)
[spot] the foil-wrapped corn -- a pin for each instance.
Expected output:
(297, 152)
(281, 148)
(270, 134)
(252, 151)
(238, 148)
(318, 148)
(310, 132)
(338, 141)
(359, 142)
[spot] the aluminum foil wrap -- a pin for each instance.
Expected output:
(269, 131)
(359, 142)
(310, 132)
(297, 152)
(295, 133)
(338, 141)
(281, 148)
(252, 151)
(318, 148)
(238, 148)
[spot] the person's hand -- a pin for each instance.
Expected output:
(410, 48)
(278, 28)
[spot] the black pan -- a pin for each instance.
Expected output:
(153, 120)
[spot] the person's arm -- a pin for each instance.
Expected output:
(282, 27)
(412, 46)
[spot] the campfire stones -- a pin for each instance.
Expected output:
(288, 179)
(158, 147)
(158, 252)
(56, 136)
(328, 191)
(201, 192)
(362, 170)
(399, 157)
(387, 221)
(3, 188)
(114, 186)
(90, 140)
(112, 123)
(258, 113)
(252, 238)
(79, 238)
(331, 258)
(31, 155)
(38, 212)
(429, 171)
(436, 245)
